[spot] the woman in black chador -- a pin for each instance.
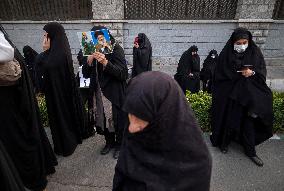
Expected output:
(188, 70)
(242, 102)
(142, 55)
(64, 105)
(207, 71)
(163, 147)
(108, 74)
(21, 131)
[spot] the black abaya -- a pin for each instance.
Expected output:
(21, 131)
(238, 100)
(142, 56)
(64, 105)
(9, 178)
(170, 153)
(189, 64)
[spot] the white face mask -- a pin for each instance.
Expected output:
(213, 56)
(240, 48)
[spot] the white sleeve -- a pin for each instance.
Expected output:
(6, 50)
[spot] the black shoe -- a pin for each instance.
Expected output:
(106, 149)
(256, 160)
(224, 150)
(116, 153)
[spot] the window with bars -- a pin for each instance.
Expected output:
(45, 9)
(179, 9)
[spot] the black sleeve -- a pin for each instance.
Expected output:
(86, 70)
(119, 71)
(116, 66)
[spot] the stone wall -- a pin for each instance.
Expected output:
(255, 9)
(170, 40)
(274, 46)
(31, 33)
(108, 9)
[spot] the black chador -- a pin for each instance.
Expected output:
(21, 130)
(9, 177)
(142, 56)
(188, 71)
(170, 153)
(64, 105)
(242, 106)
(207, 71)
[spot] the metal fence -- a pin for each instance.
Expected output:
(45, 9)
(279, 10)
(180, 9)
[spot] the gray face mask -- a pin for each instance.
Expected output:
(240, 48)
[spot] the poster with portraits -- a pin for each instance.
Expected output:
(95, 41)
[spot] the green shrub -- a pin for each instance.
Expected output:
(43, 110)
(201, 104)
(278, 110)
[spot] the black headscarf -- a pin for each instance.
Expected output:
(22, 132)
(30, 55)
(229, 63)
(170, 153)
(142, 56)
(251, 93)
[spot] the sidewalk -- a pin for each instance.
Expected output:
(87, 170)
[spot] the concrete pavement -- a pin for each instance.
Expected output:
(87, 170)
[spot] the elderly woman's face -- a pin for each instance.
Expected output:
(136, 124)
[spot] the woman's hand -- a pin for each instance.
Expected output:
(247, 73)
(100, 57)
(136, 45)
(90, 60)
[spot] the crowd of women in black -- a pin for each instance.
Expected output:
(147, 121)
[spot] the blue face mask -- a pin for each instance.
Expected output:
(240, 48)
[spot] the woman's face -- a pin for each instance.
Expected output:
(136, 124)
(241, 45)
(46, 41)
(241, 42)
